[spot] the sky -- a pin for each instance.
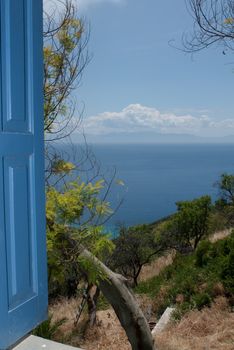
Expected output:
(138, 83)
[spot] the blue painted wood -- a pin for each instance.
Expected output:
(23, 277)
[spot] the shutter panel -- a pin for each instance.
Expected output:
(23, 278)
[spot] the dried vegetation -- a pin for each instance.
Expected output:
(209, 329)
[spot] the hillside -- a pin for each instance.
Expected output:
(193, 281)
(200, 285)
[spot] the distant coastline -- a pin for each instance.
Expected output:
(152, 138)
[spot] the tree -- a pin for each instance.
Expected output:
(74, 210)
(167, 233)
(225, 202)
(65, 58)
(134, 248)
(69, 215)
(192, 221)
(213, 24)
(226, 188)
(117, 292)
(188, 226)
(66, 37)
(67, 246)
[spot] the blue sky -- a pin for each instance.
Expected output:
(137, 83)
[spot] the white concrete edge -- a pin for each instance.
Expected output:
(163, 321)
(36, 343)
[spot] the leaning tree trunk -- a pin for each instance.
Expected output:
(132, 319)
(92, 300)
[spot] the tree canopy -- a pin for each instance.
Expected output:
(135, 247)
(188, 226)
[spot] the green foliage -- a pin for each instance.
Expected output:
(61, 166)
(227, 271)
(226, 188)
(203, 253)
(201, 300)
(166, 232)
(70, 215)
(48, 328)
(225, 202)
(103, 304)
(77, 203)
(192, 221)
(180, 311)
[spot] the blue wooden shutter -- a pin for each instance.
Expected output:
(23, 280)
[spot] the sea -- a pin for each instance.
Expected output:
(151, 178)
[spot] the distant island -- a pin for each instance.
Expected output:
(152, 137)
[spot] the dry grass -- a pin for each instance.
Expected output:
(209, 329)
(220, 235)
(155, 267)
(65, 308)
(107, 335)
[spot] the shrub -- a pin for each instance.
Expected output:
(47, 329)
(227, 273)
(203, 253)
(202, 300)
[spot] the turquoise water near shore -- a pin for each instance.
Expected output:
(158, 175)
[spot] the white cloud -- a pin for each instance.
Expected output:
(136, 118)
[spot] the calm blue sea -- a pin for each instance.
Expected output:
(158, 175)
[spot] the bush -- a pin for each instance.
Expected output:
(202, 300)
(227, 273)
(203, 253)
(47, 329)
(180, 311)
